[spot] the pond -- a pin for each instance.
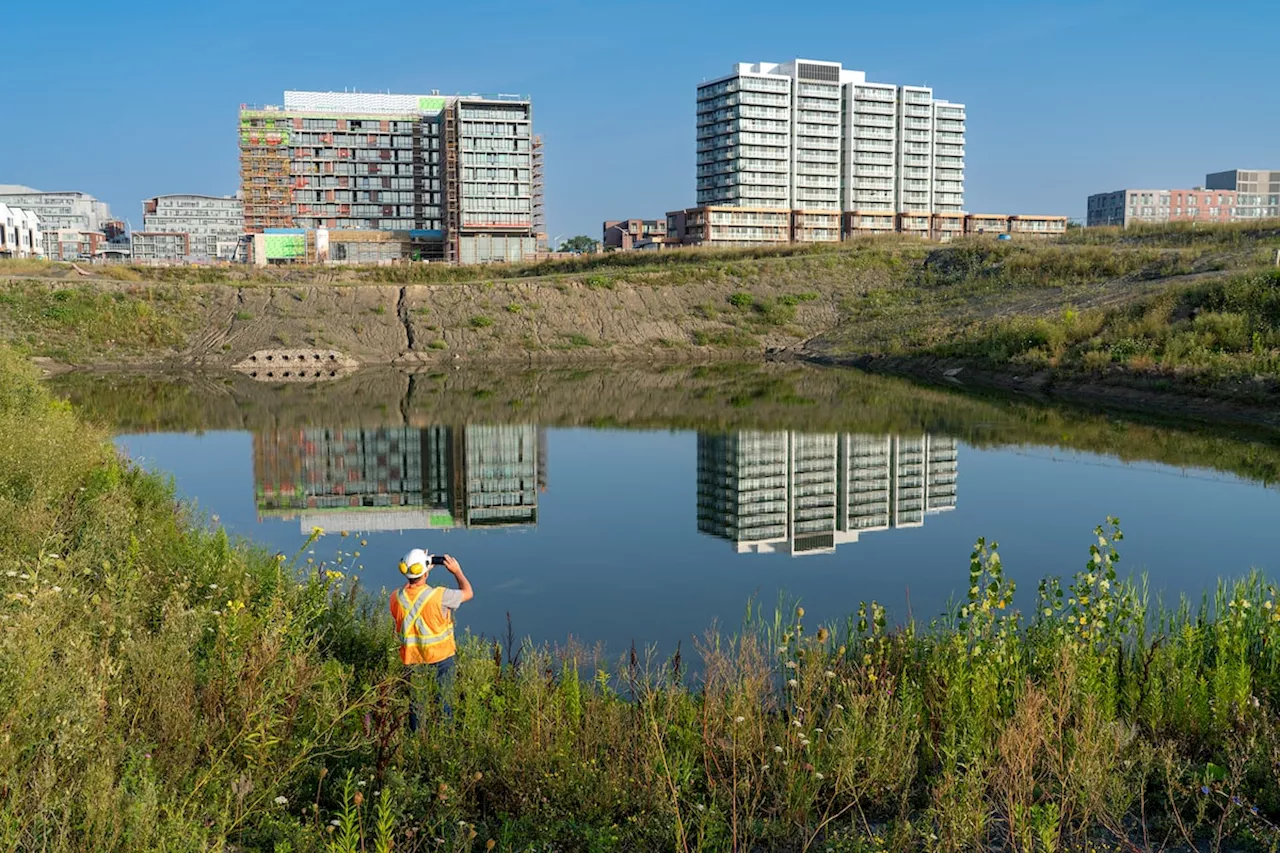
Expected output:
(645, 506)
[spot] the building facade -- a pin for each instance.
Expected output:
(808, 493)
(20, 235)
(61, 212)
(628, 234)
(212, 226)
(456, 173)
(820, 140)
(1153, 206)
(1257, 191)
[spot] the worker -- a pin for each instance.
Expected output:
(424, 623)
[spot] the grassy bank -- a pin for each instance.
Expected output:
(865, 296)
(1211, 334)
(166, 689)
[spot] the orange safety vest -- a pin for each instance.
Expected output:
(426, 634)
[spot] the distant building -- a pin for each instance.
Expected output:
(717, 225)
(738, 226)
(1126, 207)
(454, 174)
(628, 234)
(211, 225)
(809, 493)
(817, 140)
(60, 212)
(70, 244)
(20, 235)
(1257, 191)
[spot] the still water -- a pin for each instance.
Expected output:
(684, 502)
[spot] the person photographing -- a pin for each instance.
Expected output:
(424, 623)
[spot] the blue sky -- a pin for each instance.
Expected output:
(1064, 99)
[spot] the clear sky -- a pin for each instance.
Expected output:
(1064, 98)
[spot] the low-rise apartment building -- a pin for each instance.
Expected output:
(211, 224)
(627, 234)
(20, 235)
(739, 226)
(1257, 191)
(710, 225)
(70, 244)
(1152, 206)
(154, 246)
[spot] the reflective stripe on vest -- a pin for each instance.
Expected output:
(412, 620)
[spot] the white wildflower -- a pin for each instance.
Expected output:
(817, 731)
(839, 707)
(791, 664)
(795, 723)
(764, 767)
(24, 576)
(11, 574)
(818, 776)
(57, 589)
(777, 749)
(361, 783)
(335, 822)
(282, 801)
(701, 807)
(830, 674)
(793, 683)
(739, 719)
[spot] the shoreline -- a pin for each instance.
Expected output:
(1119, 392)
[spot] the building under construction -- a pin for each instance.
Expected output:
(452, 176)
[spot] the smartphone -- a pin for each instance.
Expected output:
(437, 559)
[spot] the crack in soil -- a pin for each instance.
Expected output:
(402, 309)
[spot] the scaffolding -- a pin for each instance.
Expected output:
(452, 201)
(265, 171)
(539, 204)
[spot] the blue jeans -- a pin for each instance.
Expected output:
(426, 680)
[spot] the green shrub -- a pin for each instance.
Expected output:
(480, 321)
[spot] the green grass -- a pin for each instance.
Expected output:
(1227, 329)
(76, 321)
(169, 689)
(480, 321)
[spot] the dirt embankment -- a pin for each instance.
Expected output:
(565, 321)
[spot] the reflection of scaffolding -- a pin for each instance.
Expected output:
(401, 478)
(760, 490)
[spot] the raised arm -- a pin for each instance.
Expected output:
(464, 585)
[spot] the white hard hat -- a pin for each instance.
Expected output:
(415, 564)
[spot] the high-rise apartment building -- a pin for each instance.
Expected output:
(454, 172)
(820, 140)
(813, 492)
(189, 228)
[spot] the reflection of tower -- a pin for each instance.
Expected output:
(907, 501)
(813, 486)
(399, 478)
(818, 491)
(943, 471)
(542, 459)
(742, 488)
(500, 475)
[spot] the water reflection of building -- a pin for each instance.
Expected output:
(812, 492)
(401, 478)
